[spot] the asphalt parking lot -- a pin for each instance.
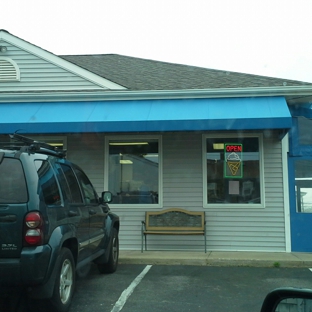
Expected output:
(179, 288)
(152, 288)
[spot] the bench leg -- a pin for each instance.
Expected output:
(141, 242)
(145, 243)
(205, 238)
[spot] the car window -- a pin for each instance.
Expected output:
(47, 181)
(12, 182)
(87, 188)
(72, 183)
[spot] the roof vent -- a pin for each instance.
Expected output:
(9, 70)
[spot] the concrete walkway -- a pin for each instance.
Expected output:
(217, 258)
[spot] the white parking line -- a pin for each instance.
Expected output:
(127, 292)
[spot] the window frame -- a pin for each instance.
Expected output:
(160, 167)
(259, 136)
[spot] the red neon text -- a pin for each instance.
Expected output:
(234, 148)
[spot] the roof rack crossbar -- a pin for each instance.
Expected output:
(37, 146)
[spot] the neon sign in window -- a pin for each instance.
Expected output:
(233, 165)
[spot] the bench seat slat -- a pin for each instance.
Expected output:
(175, 232)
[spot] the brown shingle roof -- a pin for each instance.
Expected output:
(143, 74)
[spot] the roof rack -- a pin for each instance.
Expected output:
(32, 146)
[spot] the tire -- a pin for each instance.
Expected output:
(112, 263)
(83, 271)
(64, 284)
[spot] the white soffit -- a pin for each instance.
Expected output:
(54, 59)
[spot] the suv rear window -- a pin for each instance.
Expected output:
(13, 188)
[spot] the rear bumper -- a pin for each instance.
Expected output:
(30, 269)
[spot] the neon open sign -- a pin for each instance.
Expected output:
(233, 155)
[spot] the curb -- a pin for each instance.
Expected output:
(274, 260)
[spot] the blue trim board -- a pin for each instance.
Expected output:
(146, 115)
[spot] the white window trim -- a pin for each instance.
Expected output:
(261, 171)
(160, 168)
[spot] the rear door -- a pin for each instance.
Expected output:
(78, 212)
(13, 206)
(97, 212)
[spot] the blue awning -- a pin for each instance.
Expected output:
(146, 115)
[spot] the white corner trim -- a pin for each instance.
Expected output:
(285, 148)
(54, 59)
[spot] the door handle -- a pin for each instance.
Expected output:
(92, 212)
(8, 218)
(72, 213)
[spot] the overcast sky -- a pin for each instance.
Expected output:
(264, 37)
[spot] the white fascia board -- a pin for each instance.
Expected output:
(294, 93)
(54, 59)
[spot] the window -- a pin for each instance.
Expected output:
(72, 183)
(13, 187)
(304, 126)
(133, 170)
(232, 170)
(303, 180)
(47, 181)
(90, 196)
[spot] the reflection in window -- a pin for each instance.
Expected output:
(47, 181)
(134, 171)
(303, 180)
(233, 170)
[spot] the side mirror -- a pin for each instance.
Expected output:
(106, 197)
(288, 299)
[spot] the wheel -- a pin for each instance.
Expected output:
(64, 284)
(111, 265)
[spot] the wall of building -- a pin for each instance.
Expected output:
(234, 228)
(37, 74)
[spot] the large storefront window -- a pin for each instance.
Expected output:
(233, 170)
(303, 180)
(133, 166)
(304, 126)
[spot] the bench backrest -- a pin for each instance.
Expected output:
(175, 219)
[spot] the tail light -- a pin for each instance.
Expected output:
(33, 233)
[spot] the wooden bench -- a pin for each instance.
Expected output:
(173, 221)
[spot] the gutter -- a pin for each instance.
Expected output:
(292, 93)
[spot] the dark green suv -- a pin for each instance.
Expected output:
(52, 223)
